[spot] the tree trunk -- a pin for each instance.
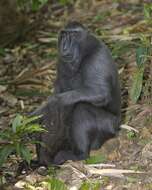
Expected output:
(12, 22)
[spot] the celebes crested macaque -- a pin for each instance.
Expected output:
(84, 110)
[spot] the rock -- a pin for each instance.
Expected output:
(42, 171)
(3, 110)
(9, 99)
(74, 188)
(3, 88)
(20, 184)
(109, 187)
(8, 59)
(34, 178)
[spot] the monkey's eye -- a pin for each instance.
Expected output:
(63, 33)
(72, 34)
(79, 35)
(75, 34)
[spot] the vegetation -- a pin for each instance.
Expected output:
(28, 54)
(14, 140)
(96, 159)
(143, 54)
(34, 5)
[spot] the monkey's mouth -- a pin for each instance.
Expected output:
(69, 50)
(67, 58)
(70, 56)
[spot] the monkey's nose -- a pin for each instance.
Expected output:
(66, 46)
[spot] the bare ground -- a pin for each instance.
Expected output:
(28, 70)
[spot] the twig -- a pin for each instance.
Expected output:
(128, 128)
(111, 172)
(129, 37)
(102, 165)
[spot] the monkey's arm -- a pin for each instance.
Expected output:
(96, 87)
(45, 108)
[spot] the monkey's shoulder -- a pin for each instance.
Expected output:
(100, 67)
(100, 61)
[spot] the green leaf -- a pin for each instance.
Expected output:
(148, 10)
(5, 152)
(37, 4)
(31, 119)
(34, 128)
(96, 159)
(37, 142)
(55, 184)
(43, 1)
(17, 136)
(137, 84)
(131, 135)
(6, 134)
(18, 149)
(65, 2)
(29, 93)
(141, 58)
(141, 55)
(25, 154)
(90, 186)
(2, 51)
(17, 122)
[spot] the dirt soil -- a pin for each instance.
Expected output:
(27, 72)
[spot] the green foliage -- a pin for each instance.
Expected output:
(33, 5)
(148, 10)
(120, 49)
(96, 159)
(14, 139)
(132, 180)
(66, 2)
(90, 186)
(137, 85)
(135, 167)
(55, 184)
(148, 186)
(2, 52)
(98, 17)
(51, 171)
(142, 55)
(49, 184)
(27, 92)
(131, 135)
(37, 4)
(101, 16)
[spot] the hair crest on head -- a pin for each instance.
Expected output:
(73, 24)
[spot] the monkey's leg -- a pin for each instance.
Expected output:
(108, 127)
(80, 136)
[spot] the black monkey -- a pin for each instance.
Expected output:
(86, 99)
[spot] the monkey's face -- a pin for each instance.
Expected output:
(70, 44)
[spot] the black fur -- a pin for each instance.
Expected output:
(84, 110)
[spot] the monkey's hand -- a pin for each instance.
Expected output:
(52, 100)
(39, 111)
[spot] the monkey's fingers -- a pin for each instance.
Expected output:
(39, 111)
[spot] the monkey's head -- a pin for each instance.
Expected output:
(72, 40)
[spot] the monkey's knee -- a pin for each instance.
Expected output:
(63, 156)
